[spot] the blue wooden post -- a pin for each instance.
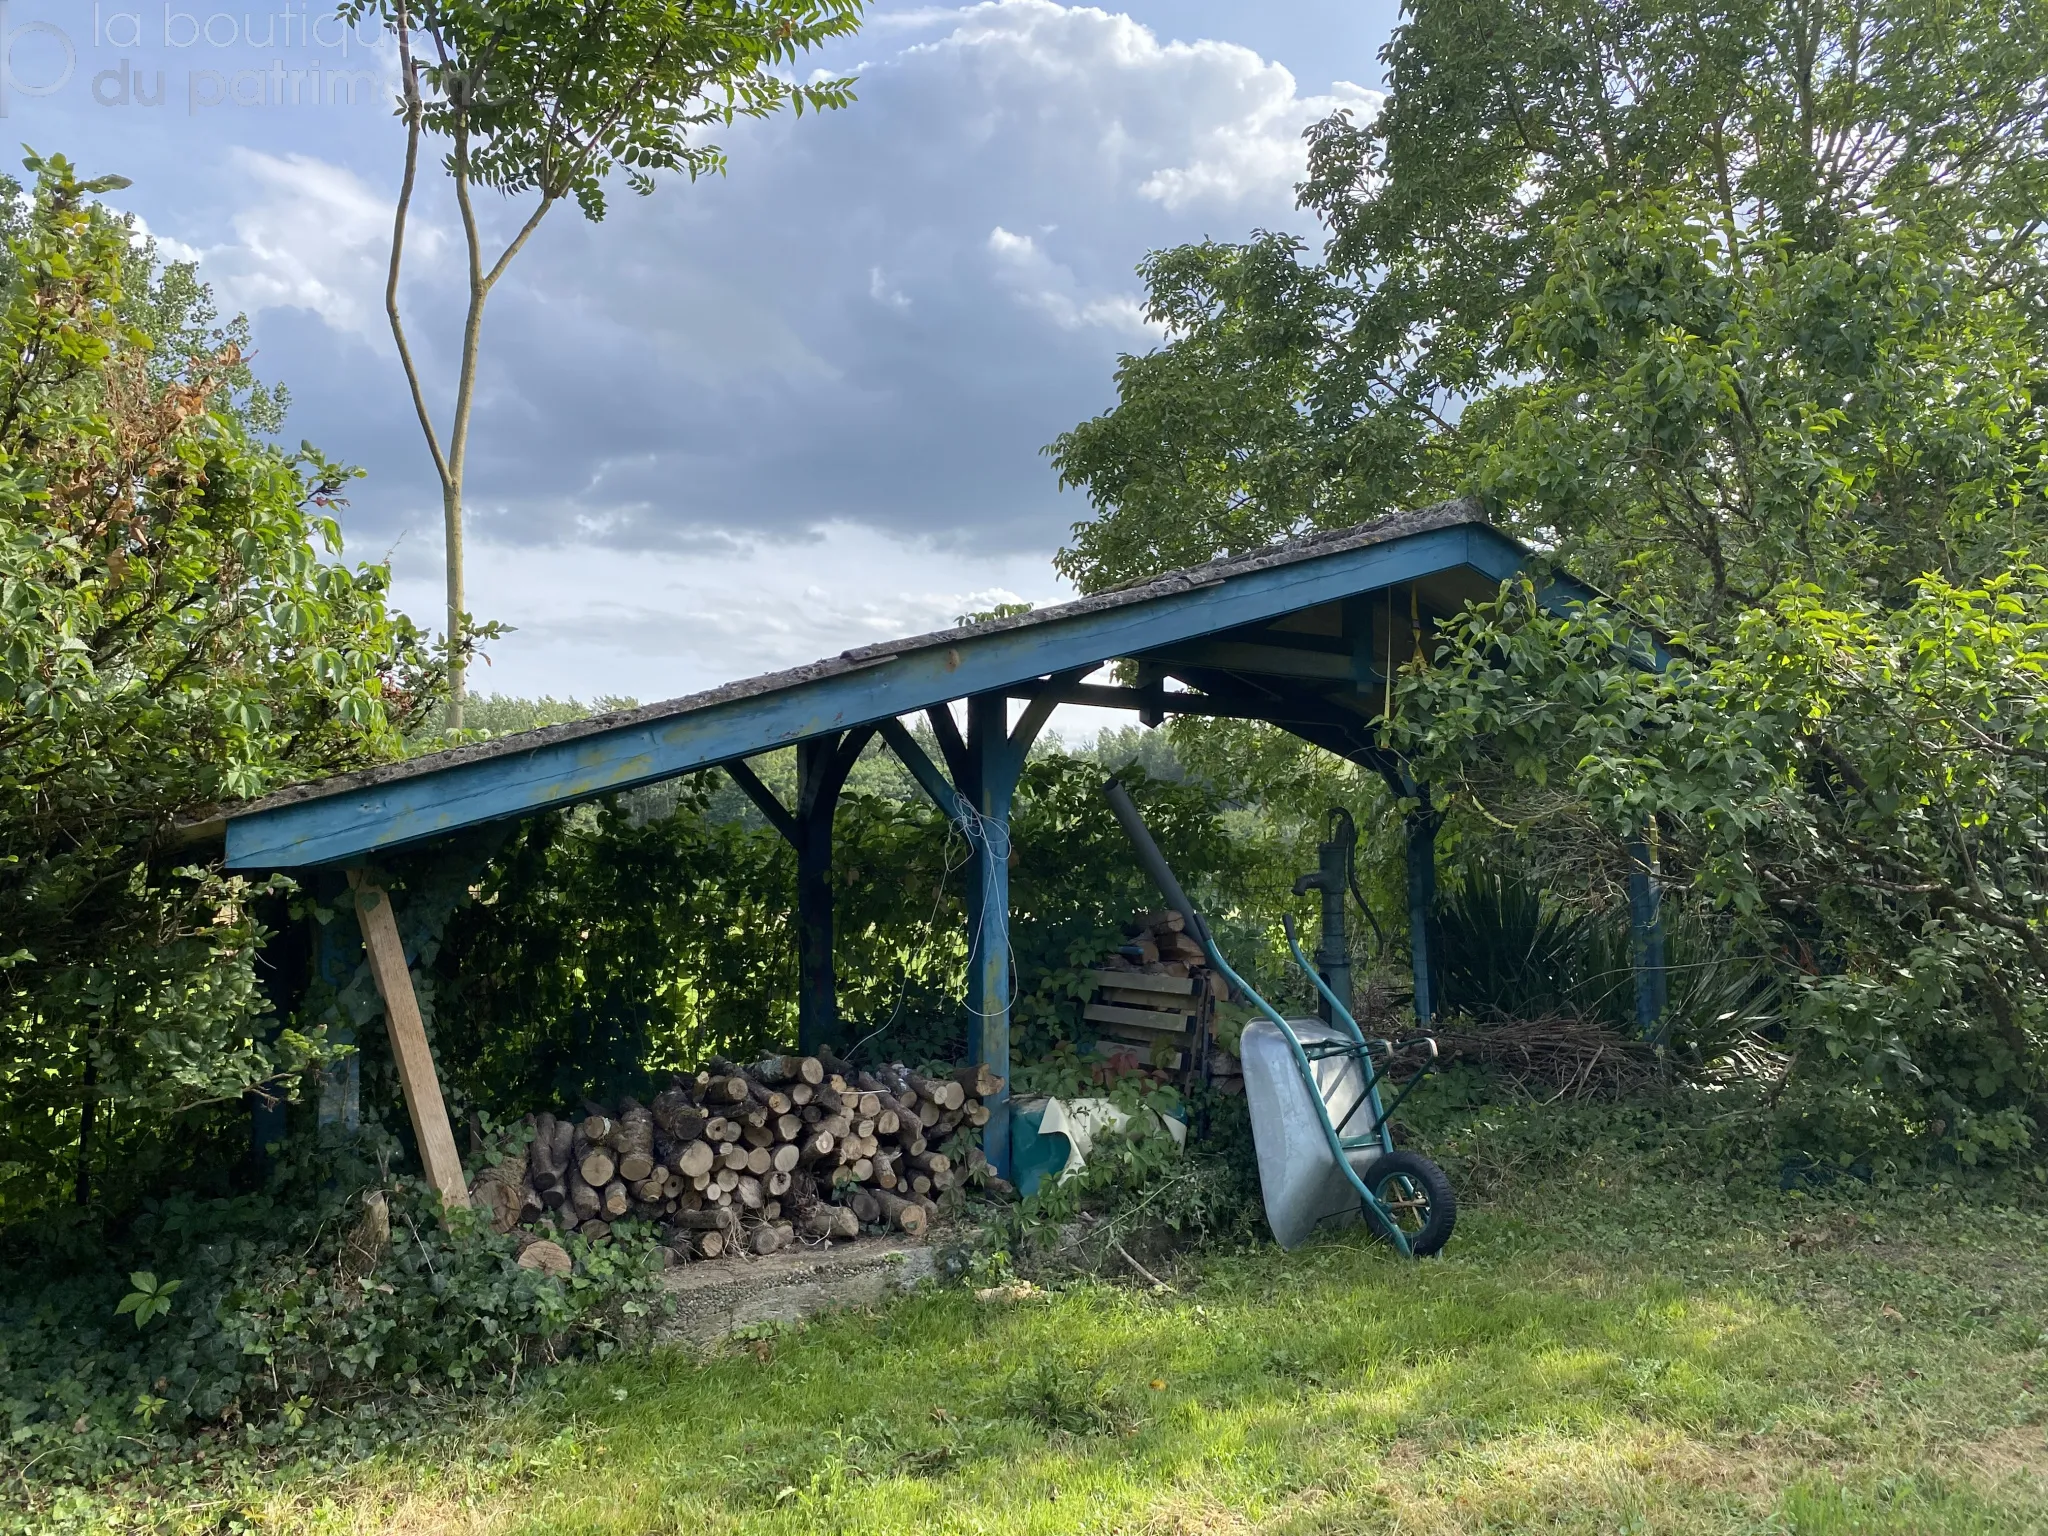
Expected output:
(1421, 902)
(995, 763)
(994, 757)
(1646, 938)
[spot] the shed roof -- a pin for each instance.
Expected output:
(352, 815)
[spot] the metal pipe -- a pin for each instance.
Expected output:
(1153, 860)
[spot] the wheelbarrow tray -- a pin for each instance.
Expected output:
(1303, 1186)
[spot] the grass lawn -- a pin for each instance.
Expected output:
(1601, 1351)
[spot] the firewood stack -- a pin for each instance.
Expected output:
(751, 1159)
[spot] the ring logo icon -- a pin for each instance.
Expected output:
(11, 36)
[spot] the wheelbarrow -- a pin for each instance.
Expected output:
(1319, 1123)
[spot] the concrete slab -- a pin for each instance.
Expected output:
(721, 1296)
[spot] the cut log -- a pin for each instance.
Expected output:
(788, 1127)
(597, 1129)
(786, 1069)
(977, 1113)
(921, 1184)
(775, 1103)
(800, 1094)
(707, 1221)
(597, 1167)
(500, 1190)
(862, 1203)
(978, 1080)
(904, 1215)
(708, 1245)
(584, 1198)
(931, 1162)
(758, 1135)
(547, 1160)
(595, 1231)
(939, 1091)
(733, 1157)
(765, 1240)
(633, 1140)
(828, 1221)
(817, 1147)
(726, 1178)
(760, 1161)
(779, 1182)
(785, 1157)
(696, 1157)
(547, 1257)
(726, 1090)
(748, 1193)
(677, 1116)
(618, 1199)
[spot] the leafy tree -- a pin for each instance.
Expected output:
(1743, 315)
(543, 100)
(173, 633)
(1861, 785)
(1297, 393)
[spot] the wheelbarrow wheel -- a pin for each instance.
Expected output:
(1414, 1191)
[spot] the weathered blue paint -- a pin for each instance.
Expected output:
(1646, 939)
(341, 827)
(995, 755)
(1421, 902)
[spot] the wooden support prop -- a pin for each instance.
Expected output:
(423, 1102)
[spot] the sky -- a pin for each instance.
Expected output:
(746, 422)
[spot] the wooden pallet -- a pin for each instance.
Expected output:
(1144, 1013)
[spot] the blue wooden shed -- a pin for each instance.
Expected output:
(1305, 635)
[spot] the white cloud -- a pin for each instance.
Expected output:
(1038, 282)
(1203, 124)
(316, 237)
(833, 369)
(658, 625)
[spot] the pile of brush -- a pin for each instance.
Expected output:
(1555, 1056)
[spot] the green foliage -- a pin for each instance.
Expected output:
(1504, 950)
(1706, 425)
(1295, 393)
(1741, 317)
(289, 1332)
(150, 1299)
(604, 947)
(1075, 883)
(539, 96)
(1637, 1329)
(175, 631)
(1857, 787)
